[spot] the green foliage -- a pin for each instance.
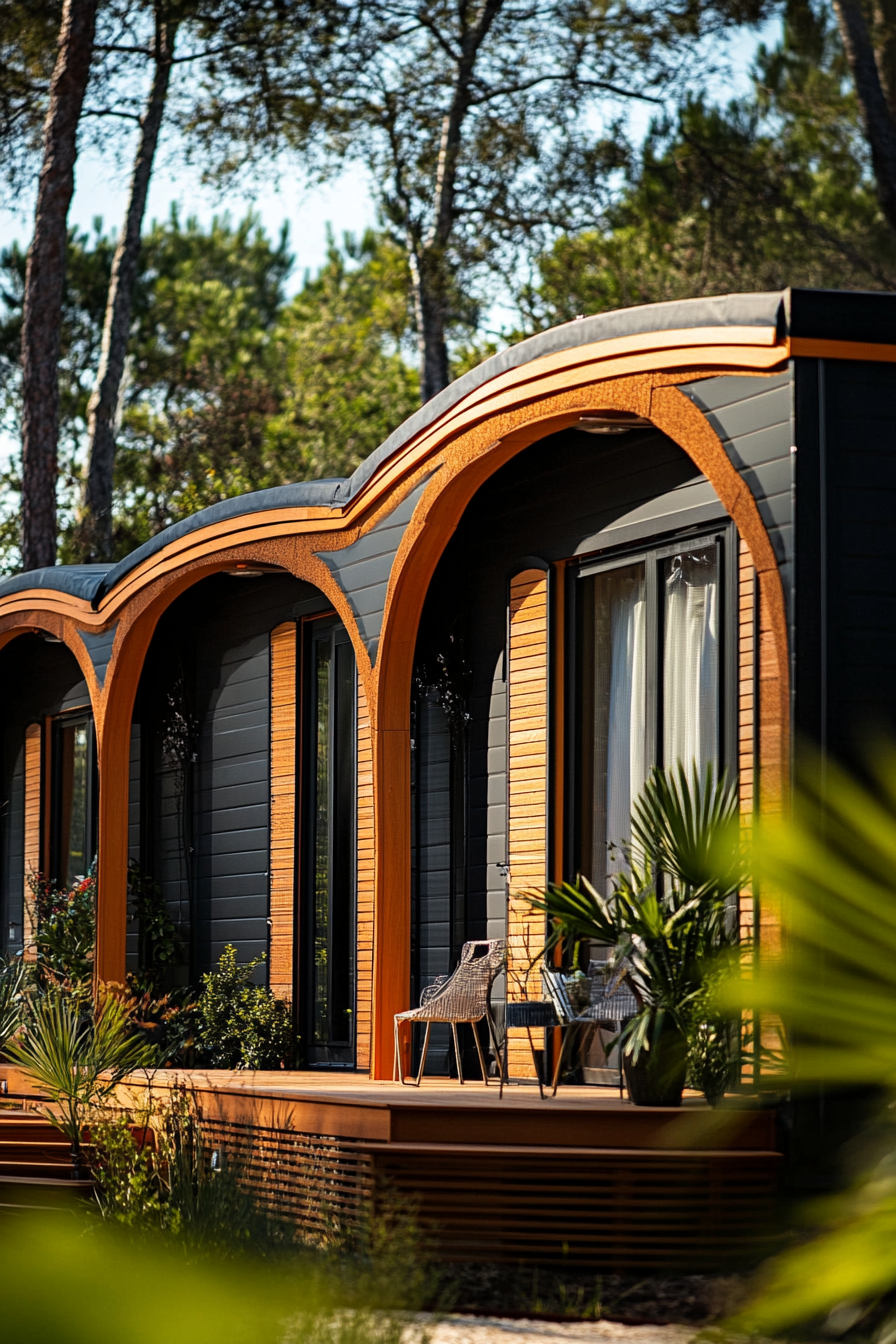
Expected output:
(669, 915)
(229, 387)
(242, 1025)
(64, 928)
(771, 190)
(347, 385)
(107, 1286)
(13, 984)
(160, 946)
(831, 867)
(77, 1056)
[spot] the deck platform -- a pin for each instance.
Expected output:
(583, 1178)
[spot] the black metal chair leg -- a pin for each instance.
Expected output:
(460, 1067)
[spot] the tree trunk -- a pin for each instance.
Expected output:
(877, 120)
(44, 284)
(95, 526)
(429, 302)
(885, 49)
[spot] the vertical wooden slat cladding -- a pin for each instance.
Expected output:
(527, 745)
(283, 806)
(746, 709)
(33, 829)
(364, 990)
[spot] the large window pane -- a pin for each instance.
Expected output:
(73, 810)
(690, 583)
(330, 776)
(614, 703)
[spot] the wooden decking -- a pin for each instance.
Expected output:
(579, 1179)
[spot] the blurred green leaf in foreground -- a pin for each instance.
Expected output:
(71, 1283)
(832, 866)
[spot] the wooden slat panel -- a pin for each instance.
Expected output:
(527, 840)
(284, 645)
(32, 838)
(366, 860)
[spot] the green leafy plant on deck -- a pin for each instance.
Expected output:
(78, 1054)
(242, 1025)
(832, 866)
(668, 917)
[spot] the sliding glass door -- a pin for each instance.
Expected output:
(328, 889)
(649, 684)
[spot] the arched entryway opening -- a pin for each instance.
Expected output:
(242, 793)
(546, 476)
(49, 783)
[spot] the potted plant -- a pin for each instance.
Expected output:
(667, 920)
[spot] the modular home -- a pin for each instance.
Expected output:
(346, 723)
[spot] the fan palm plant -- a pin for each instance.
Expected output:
(669, 914)
(832, 867)
(78, 1058)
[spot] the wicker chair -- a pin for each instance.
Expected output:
(462, 996)
(612, 1004)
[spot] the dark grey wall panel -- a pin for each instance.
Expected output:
(362, 570)
(432, 951)
(858, 462)
(13, 839)
(134, 837)
(100, 649)
(37, 680)
(754, 419)
(219, 634)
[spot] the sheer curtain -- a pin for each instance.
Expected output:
(691, 658)
(626, 763)
(615, 712)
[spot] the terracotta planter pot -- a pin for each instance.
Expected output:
(658, 1076)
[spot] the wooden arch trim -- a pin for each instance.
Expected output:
(292, 555)
(467, 462)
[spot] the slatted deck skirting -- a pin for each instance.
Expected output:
(583, 1180)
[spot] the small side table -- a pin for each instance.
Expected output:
(538, 1013)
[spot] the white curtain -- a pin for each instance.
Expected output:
(626, 763)
(691, 659)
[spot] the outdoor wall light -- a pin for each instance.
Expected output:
(244, 572)
(611, 422)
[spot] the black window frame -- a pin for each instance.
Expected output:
(336, 1056)
(58, 724)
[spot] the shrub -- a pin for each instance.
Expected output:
(65, 927)
(241, 1025)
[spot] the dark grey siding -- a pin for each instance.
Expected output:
(14, 854)
(134, 835)
(845, 675)
(433, 953)
(754, 419)
(205, 837)
(232, 795)
(37, 679)
(362, 570)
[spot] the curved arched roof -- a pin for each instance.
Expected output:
(815, 313)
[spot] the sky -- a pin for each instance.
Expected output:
(343, 203)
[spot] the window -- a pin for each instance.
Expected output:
(329, 886)
(73, 785)
(651, 652)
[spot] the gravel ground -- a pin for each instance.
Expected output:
(455, 1329)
